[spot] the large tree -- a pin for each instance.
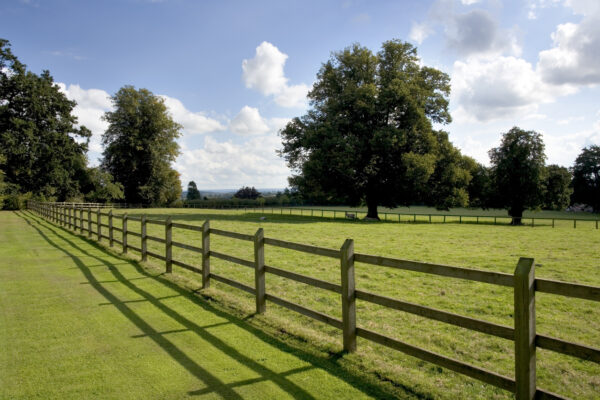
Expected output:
(557, 188)
(140, 145)
(586, 177)
(43, 148)
(368, 136)
(518, 168)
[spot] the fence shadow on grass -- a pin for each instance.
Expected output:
(362, 382)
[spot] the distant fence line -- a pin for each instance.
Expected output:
(401, 217)
(523, 282)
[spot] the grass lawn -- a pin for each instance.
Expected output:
(561, 253)
(77, 321)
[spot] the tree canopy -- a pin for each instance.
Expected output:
(586, 177)
(140, 147)
(518, 167)
(368, 136)
(192, 191)
(557, 190)
(247, 192)
(42, 147)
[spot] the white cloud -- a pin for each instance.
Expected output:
(469, 2)
(503, 87)
(265, 73)
(193, 122)
(575, 56)
(248, 122)
(420, 32)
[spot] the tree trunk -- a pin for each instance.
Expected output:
(372, 207)
(517, 214)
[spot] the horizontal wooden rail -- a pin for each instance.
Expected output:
(117, 229)
(232, 259)
(130, 218)
(568, 289)
(105, 225)
(118, 241)
(304, 279)
(105, 237)
(571, 349)
(495, 278)
(320, 251)
(233, 283)
(233, 235)
(187, 247)
(481, 374)
(136, 249)
(187, 226)
(478, 325)
(187, 266)
(156, 239)
(328, 319)
(132, 233)
(156, 222)
(151, 254)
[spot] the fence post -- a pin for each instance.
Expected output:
(124, 237)
(144, 239)
(524, 313)
(574, 223)
(553, 223)
(81, 221)
(206, 255)
(89, 213)
(98, 227)
(168, 244)
(259, 270)
(110, 228)
(69, 217)
(348, 295)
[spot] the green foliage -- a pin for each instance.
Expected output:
(101, 188)
(586, 177)
(140, 147)
(247, 192)
(481, 190)
(44, 149)
(518, 171)
(192, 191)
(557, 190)
(368, 136)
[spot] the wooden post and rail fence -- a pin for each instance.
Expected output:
(523, 282)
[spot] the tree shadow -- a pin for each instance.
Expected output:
(213, 384)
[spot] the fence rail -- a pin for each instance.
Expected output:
(523, 282)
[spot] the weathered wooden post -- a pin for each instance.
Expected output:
(525, 375)
(169, 245)
(81, 221)
(348, 295)
(259, 270)
(110, 228)
(144, 239)
(99, 226)
(206, 255)
(124, 237)
(90, 233)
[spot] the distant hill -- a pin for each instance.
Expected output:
(226, 193)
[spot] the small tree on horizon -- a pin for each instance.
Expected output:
(192, 191)
(247, 192)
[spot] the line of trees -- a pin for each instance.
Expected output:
(43, 148)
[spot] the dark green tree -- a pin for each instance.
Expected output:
(518, 172)
(99, 187)
(481, 192)
(368, 136)
(140, 147)
(557, 188)
(586, 177)
(44, 149)
(192, 191)
(247, 192)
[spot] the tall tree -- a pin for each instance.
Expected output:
(481, 193)
(140, 147)
(518, 172)
(557, 188)
(192, 191)
(586, 177)
(368, 136)
(99, 186)
(247, 192)
(44, 149)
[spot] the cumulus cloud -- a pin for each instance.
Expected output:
(420, 32)
(193, 122)
(575, 55)
(505, 86)
(265, 73)
(248, 122)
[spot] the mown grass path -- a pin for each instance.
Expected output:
(79, 322)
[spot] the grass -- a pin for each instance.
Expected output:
(77, 321)
(562, 254)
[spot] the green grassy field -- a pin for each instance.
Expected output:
(563, 254)
(79, 322)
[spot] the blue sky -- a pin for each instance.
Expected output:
(233, 73)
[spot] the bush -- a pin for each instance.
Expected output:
(16, 201)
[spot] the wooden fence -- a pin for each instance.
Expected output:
(523, 282)
(407, 217)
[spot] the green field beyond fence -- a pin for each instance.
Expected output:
(522, 284)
